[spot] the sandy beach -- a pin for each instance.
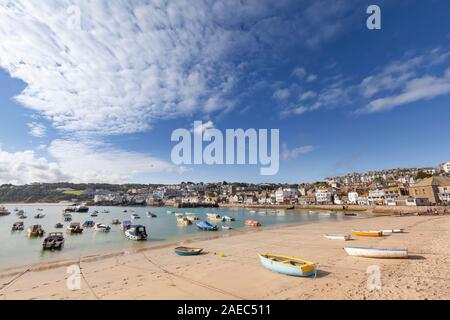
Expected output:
(230, 269)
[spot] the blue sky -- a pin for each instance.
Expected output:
(91, 92)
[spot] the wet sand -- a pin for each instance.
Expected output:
(230, 268)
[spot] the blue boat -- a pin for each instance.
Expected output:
(288, 265)
(206, 226)
(126, 224)
(89, 224)
(185, 251)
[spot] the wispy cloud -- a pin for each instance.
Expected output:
(287, 154)
(37, 130)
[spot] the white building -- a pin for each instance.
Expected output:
(324, 196)
(446, 167)
(444, 194)
(353, 197)
(376, 197)
(283, 195)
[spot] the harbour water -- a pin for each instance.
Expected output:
(16, 249)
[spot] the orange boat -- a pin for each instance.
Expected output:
(253, 223)
(366, 233)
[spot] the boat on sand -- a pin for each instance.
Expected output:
(367, 233)
(334, 236)
(377, 252)
(288, 265)
(186, 251)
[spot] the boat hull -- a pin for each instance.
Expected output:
(343, 237)
(386, 253)
(368, 233)
(307, 270)
(182, 251)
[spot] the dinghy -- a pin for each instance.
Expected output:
(377, 252)
(288, 265)
(332, 236)
(226, 228)
(183, 221)
(74, 228)
(18, 226)
(228, 218)
(185, 251)
(206, 226)
(389, 231)
(126, 224)
(102, 227)
(367, 233)
(252, 223)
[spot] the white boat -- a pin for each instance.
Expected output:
(169, 212)
(39, 216)
(135, 216)
(136, 233)
(102, 227)
(179, 215)
(227, 227)
(389, 231)
(377, 252)
(332, 236)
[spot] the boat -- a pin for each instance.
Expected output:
(390, 231)
(22, 216)
(54, 241)
(228, 218)
(350, 214)
(136, 233)
(39, 216)
(125, 211)
(179, 214)
(252, 211)
(169, 212)
(59, 225)
(186, 251)
(81, 209)
(18, 226)
(253, 223)
(67, 217)
(367, 233)
(35, 230)
(214, 217)
(227, 227)
(126, 224)
(88, 224)
(150, 214)
(40, 209)
(105, 211)
(135, 216)
(192, 218)
(184, 221)
(74, 228)
(102, 227)
(115, 221)
(288, 265)
(16, 209)
(206, 226)
(332, 236)
(377, 252)
(20, 212)
(94, 214)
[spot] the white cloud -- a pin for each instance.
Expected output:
(281, 94)
(311, 78)
(299, 72)
(308, 95)
(294, 153)
(37, 130)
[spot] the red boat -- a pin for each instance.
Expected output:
(253, 223)
(4, 211)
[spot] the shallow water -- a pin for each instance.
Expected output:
(16, 249)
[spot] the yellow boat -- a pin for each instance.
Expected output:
(366, 233)
(288, 265)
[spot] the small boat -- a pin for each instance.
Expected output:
(288, 265)
(226, 228)
(40, 209)
(18, 226)
(350, 214)
(20, 212)
(332, 236)
(102, 227)
(125, 211)
(324, 214)
(253, 223)
(74, 228)
(39, 216)
(23, 216)
(228, 218)
(367, 233)
(192, 218)
(54, 241)
(115, 221)
(179, 214)
(136, 233)
(126, 224)
(105, 211)
(185, 251)
(214, 217)
(206, 226)
(135, 216)
(94, 214)
(16, 209)
(169, 212)
(184, 221)
(35, 231)
(67, 217)
(150, 214)
(252, 211)
(390, 231)
(59, 225)
(88, 224)
(377, 252)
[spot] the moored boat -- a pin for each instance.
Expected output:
(192, 218)
(74, 228)
(350, 214)
(59, 225)
(39, 216)
(226, 228)
(17, 226)
(115, 221)
(253, 223)
(332, 236)
(367, 233)
(135, 216)
(206, 226)
(186, 251)
(136, 233)
(150, 214)
(54, 241)
(88, 224)
(126, 224)
(214, 217)
(35, 230)
(390, 231)
(102, 227)
(377, 252)
(288, 265)
(184, 221)
(228, 218)
(94, 214)
(67, 217)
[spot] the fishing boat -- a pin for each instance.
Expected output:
(67, 217)
(288, 265)
(135, 216)
(59, 225)
(88, 224)
(18, 226)
(253, 223)
(102, 227)
(136, 233)
(226, 228)
(125, 211)
(35, 230)
(115, 221)
(40, 209)
(214, 217)
(350, 214)
(94, 214)
(184, 221)
(367, 233)
(74, 228)
(228, 218)
(377, 252)
(186, 251)
(390, 231)
(54, 241)
(126, 224)
(206, 226)
(150, 214)
(39, 216)
(332, 236)
(81, 209)
(20, 212)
